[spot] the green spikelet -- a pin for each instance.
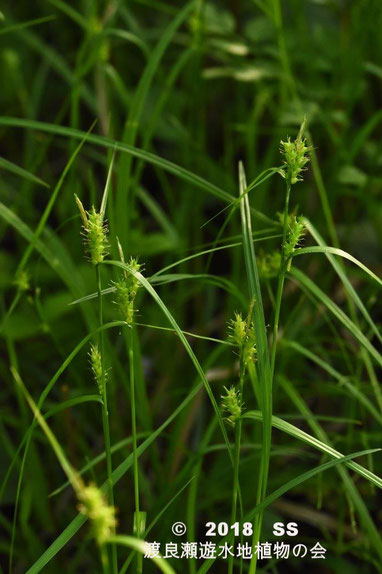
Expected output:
(232, 404)
(295, 234)
(242, 333)
(96, 366)
(95, 233)
(102, 516)
(295, 156)
(127, 288)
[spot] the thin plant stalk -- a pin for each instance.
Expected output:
(105, 414)
(263, 468)
(281, 279)
(134, 436)
(236, 462)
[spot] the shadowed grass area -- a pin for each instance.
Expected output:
(189, 324)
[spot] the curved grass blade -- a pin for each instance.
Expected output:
(68, 533)
(151, 158)
(342, 379)
(141, 546)
(70, 403)
(48, 388)
(21, 25)
(299, 434)
(348, 484)
(342, 275)
(286, 488)
(149, 288)
(21, 172)
(123, 200)
(340, 253)
(337, 312)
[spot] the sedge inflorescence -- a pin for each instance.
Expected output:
(94, 506)
(95, 233)
(127, 287)
(295, 234)
(97, 369)
(295, 156)
(242, 334)
(232, 404)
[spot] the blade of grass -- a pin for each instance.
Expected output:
(337, 312)
(342, 379)
(340, 253)
(118, 473)
(141, 546)
(144, 282)
(282, 490)
(348, 483)
(263, 364)
(156, 160)
(21, 172)
(299, 434)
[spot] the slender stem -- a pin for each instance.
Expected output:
(264, 461)
(236, 463)
(280, 285)
(104, 558)
(134, 435)
(105, 413)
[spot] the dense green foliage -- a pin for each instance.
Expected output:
(193, 278)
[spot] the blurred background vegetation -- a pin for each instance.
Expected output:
(202, 85)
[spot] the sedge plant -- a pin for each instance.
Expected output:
(96, 242)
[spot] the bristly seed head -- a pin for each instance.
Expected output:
(96, 366)
(102, 516)
(127, 288)
(242, 333)
(295, 156)
(295, 234)
(232, 404)
(95, 233)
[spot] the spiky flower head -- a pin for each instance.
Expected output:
(295, 156)
(97, 369)
(295, 234)
(95, 233)
(127, 288)
(94, 506)
(232, 404)
(242, 334)
(238, 330)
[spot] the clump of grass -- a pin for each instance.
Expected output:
(157, 207)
